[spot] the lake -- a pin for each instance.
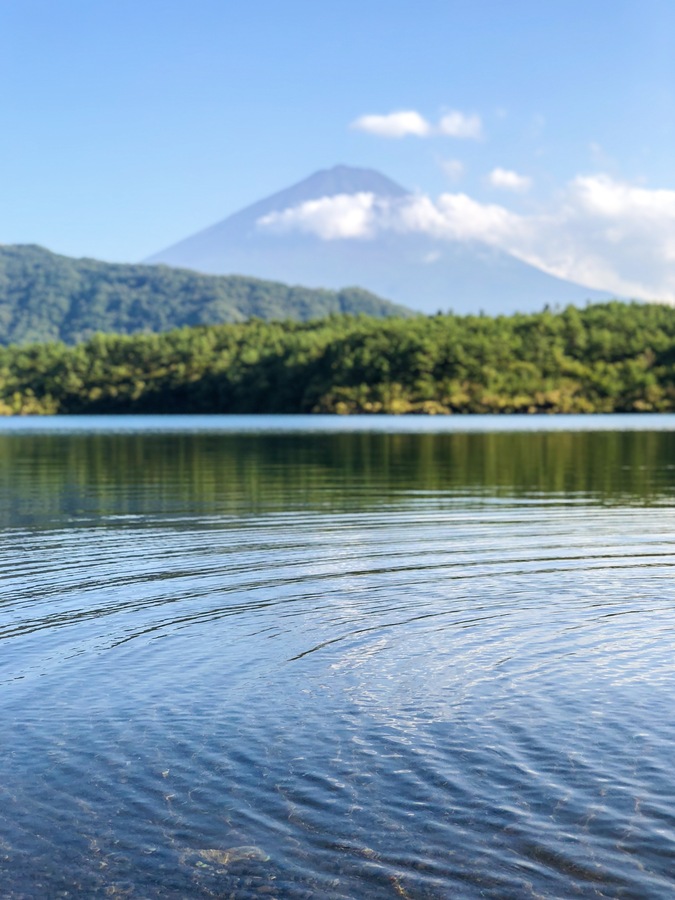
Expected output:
(316, 657)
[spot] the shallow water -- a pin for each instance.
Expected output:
(353, 664)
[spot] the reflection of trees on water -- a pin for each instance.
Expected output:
(220, 474)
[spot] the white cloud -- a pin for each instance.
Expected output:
(603, 196)
(452, 217)
(404, 122)
(459, 125)
(509, 180)
(602, 233)
(613, 235)
(466, 219)
(363, 215)
(394, 125)
(330, 218)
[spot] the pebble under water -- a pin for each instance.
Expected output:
(337, 665)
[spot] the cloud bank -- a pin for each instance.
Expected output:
(409, 122)
(603, 233)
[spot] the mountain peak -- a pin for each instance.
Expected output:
(340, 179)
(202, 250)
(343, 179)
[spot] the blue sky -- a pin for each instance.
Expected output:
(129, 125)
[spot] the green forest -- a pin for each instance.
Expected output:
(47, 297)
(611, 357)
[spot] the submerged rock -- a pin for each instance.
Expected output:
(221, 859)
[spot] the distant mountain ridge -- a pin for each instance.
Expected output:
(44, 296)
(421, 272)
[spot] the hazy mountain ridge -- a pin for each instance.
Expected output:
(45, 297)
(421, 272)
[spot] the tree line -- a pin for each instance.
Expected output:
(611, 357)
(46, 297)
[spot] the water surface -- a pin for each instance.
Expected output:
(265, 661)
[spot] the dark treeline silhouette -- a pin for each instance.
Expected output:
(611, 357)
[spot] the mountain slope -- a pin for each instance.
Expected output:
(418, 271)
(44, 296)
(238, 236)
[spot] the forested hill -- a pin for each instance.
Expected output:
(608, 358)
(46, 297)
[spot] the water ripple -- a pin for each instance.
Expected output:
(430, 697)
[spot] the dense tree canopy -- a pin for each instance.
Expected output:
(612, 357)
(45, 297)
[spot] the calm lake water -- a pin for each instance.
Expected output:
(342, 658)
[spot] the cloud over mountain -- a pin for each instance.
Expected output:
(330, 218)
(364, 215)
(346, 225)
(612, 232)
(603, 233)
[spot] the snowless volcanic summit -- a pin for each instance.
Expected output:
(286, 237)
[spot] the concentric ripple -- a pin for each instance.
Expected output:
(248, 679)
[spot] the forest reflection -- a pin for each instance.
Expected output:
(57, 475)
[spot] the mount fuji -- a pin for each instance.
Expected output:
(421, 272)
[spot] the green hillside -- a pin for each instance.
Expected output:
(46, 297)
(612, 357)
